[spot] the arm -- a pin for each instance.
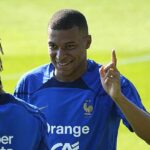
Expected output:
(138, 119)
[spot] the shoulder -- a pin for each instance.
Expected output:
(21, 107)
(126, 83)
(40, 71)
(19, 103)
(92, 76)
(93, 65)
(128, 88)
(33, 79)
(27, 117)
(30, 109)
(130, 91)
(24, 114)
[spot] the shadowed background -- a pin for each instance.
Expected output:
(119, 24)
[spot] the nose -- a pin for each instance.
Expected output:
(60, 55)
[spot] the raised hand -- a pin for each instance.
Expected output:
(110, 77)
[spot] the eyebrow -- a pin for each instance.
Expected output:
(71, 42)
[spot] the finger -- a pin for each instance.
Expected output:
(114, 58)
(108, 81)
(108, 66)
(102, 71)
(112, 73)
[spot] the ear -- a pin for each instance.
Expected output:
(88, 42)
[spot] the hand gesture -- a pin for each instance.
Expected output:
(110, 77)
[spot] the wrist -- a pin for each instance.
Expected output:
(118, 97)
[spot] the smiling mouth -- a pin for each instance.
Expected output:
(63, 64)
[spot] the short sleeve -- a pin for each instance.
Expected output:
(20, 90)
(131, 93)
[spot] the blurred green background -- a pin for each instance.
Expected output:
(120, 24)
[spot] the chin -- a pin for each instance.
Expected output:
(65, 74)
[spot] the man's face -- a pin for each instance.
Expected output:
(67, 49)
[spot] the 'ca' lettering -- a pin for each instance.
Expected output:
(66, 146)
(57, 146)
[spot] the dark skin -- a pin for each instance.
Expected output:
(67, 50)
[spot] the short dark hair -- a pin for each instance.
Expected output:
(68, 18)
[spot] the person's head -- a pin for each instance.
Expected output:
(1, 68)
(68, 40)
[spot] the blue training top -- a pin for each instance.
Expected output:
(22, 126)
(80, 113)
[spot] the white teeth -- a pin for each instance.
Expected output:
(63, 64)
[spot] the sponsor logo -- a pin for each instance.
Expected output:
(66, 146)
(88, 108)
(76, 131)
(43, 107)
(6, 141)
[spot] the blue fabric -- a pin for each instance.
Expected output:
(80, 113)
(22, 126)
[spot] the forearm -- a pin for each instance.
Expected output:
(138, 119)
